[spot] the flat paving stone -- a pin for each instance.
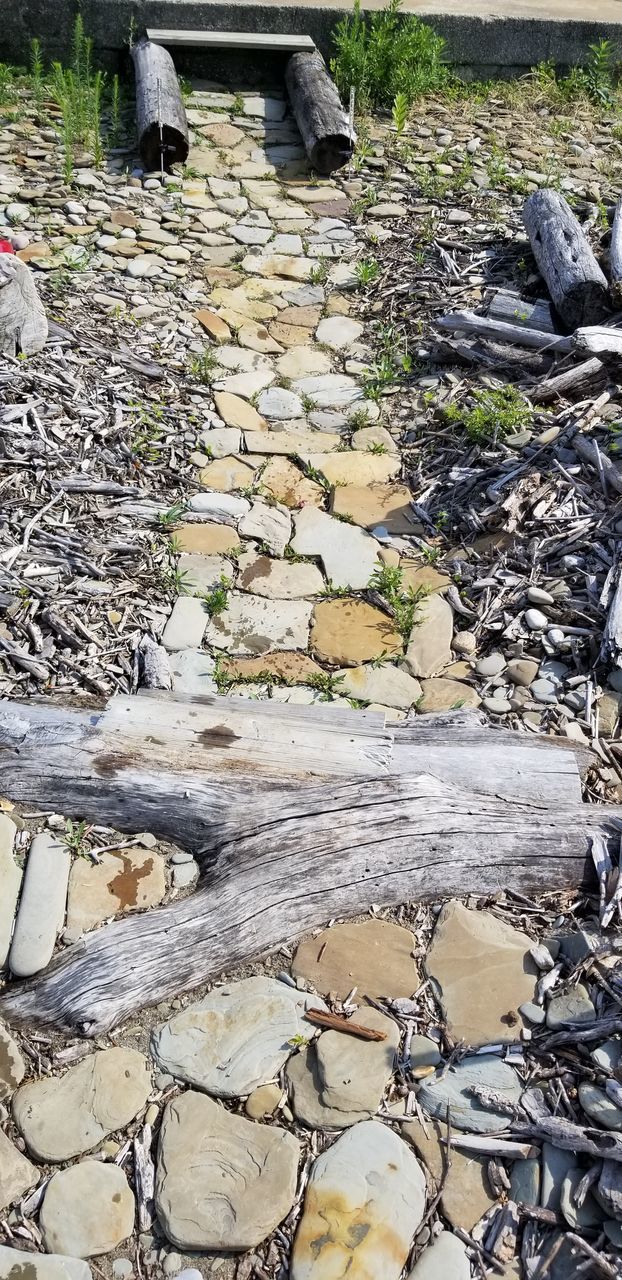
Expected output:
(192, 671)
(278, 403)
(63, 1116)
(466, 1193)
(237, 412)
(339, 332)
(201, 573)
(222, 1182)
(370, 505)
(278, 579)
(364, 1201)
(123, 880)
(285, 481)
(87, 1210)
(388, 685)
(12, 1065)
(445, 1259)
(17, 1174)
(375, 956)
(329, 390)
(352, 466)
(253, 625)
(186, 625)
(429, 647)
(291, 668)
(222, 508)
(41, 912)
(268, 524)
(348, 631)
(226, 475)
(340, 1080)
(436, 1094)
(349, 555)
(236, 1038)
(41, 1266)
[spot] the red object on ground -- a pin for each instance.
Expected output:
(6, 246)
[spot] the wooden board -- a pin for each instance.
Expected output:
(232, 40)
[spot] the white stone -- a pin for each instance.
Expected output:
(221, 441)
(267, 524)
(17, 1174)
(339, 332)
(41, 1266)
(192, 672)
(236, 1038)
(349, 554)
(186, 625)
(329, 390)
(222, 508)
(445, 1259)
(41, 911)
(252, 625)
(387, 685)
(202, 572)
(278, 579)
(278, 403)
(535, 620)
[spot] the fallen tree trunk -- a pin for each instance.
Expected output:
(468, 322)
(160, 113)
(321, 119)
(582, 379)
(598, 340)
(574, 279)
(297, 815)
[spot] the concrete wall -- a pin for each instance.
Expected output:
(479, 39)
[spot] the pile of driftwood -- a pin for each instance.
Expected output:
(582, 298)
(163, 126)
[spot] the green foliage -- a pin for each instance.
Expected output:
(402, 601)
(326, 684)
(172, 516)
(77, 91)
(115, 112)
(366, 271)
(203, 366)
(387, 55)
(399, 113)
(217, 599)
(496, 413)
(392, 362)
(7, 84)
(596, 80)
(36, 72)
(75, 836)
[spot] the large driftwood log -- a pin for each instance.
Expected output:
(581, 379)
(598, 340)
(296, 814)
(160, 113)
(23, 323)
(468, 322)
(575, 281)
(321, 119)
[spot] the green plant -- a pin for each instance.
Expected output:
(402, 601)
(202, 367)
(36, 72)
(326, 684)
(217, 599)
(399, 113)
(172, 516)
(377, 447)
(601, 72)
(298, 1041)
(496, 412)
(115, 112)
(319, 273)
(77, 91)
(74, 837)
(386, 54)
(238, 105)
(7, 84)
(366, 271)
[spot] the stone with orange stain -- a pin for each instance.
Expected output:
(124, 880)
(348, 631)
(364, 1202)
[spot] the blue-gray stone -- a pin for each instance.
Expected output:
(453, 1091)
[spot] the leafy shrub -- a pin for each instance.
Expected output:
(386, 55)
(494, 414)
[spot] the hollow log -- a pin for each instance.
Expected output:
(324, 125)
(615, 255)
(296, 815)
(574, 279)
(160, 113)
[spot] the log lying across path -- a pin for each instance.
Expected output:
(160, 112)
(321, 119)
(296, 815)
(575, 281)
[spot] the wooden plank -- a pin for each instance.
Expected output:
(232, 40)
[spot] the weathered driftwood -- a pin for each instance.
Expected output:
(23, 323)
(296, 814)
(160, 113)
(324, 125)
(513, 309)
(598, 340)
(574, 279)
(615, 254)
(611, 644)
(587, 448)
(565, 1133)
(581, 379)
(469, 322)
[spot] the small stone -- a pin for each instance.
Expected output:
(246, 1173)
(88, 1209)
(599, 1106)
(536, 595)
(445, 1259)
(186, 625)
(608, 1054)
(207, 539)
(235, 1039)
(41, 912)
(17, 1174)
(282, 480)
(609, 708)
(429, 647)
(475, 1012)
(543, 691)
(574, 1008)
(263, 1101)
(493, 665)
(237, 412)
(225, 475)
(364, 1202)
(278, 579)
(12, 1065)
(347, 631)
(525, 1181)
(534, 1013)
(464, 642)
(192, 671)
(349, 555)
(522, 671)
(375, 956)
(339, 332)
(589, 1214)
(497, 706)
(122, 881)
(122, 1269)
(423, 1053)
(453, 1090)
(535, 620)
(340, 1080)
(268, 524)
(172, 1264)
(64, 1116)
(41, 1266)
(277, 403)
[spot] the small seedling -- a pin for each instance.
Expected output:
(217, 599)
(75, 836)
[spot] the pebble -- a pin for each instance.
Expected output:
(556, 1164)
(186, 874)
(522, 671)
(574, 1008)
(172, 1264)
(599, 1106)
(464, 642)
(525, 1181)
(497, 706)
(535, 620)
(246, 1173)
(12, 1065)
(536, 595)
(608, 1054)
(263, 1101)
(493, 665)
(589, 1214)
(423, 1053)
(445, 1259)
(534, 1013)
(122, 1268)
(41, 912)
(544, 691)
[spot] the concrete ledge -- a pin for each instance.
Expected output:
(510, 37)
